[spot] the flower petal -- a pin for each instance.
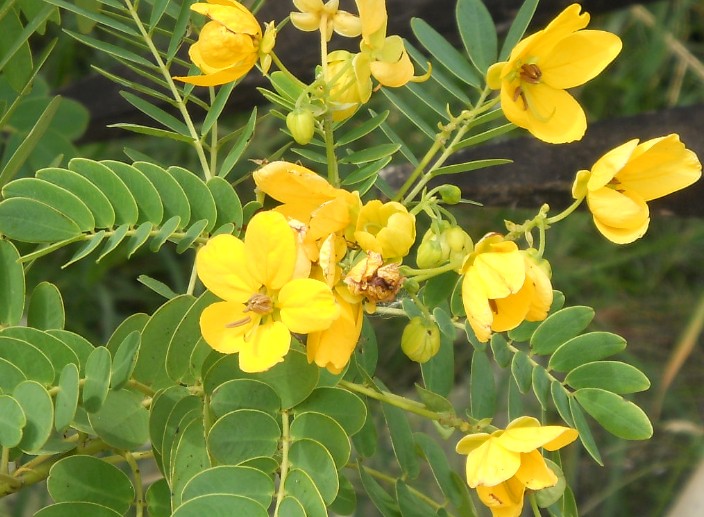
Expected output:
(221, 266)
(491, 464)
(265, 346)
(476, 305)
(307, 305)
(270, 247)
(333, 347)
(511, 310)
(235, 16)
(504, 499)
(618, 209)
(579, 58)
(534, 472)
(217, 330)
(610, 164)
(527, 439)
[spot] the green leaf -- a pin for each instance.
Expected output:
(586, 348)
(124, 204)
(89, 246)
(518, 27)
(370, 154)
(58, 353)
(365, 441)
(438, 372)
(83, 478)
(33, 363)
(613, 376)
(562, 402)
(346, 408)
(116, 51)
(10, 376)
(227, 203)
(315, 460)
(122, 421)
(401, 440)
(96, 16)
(95, 388)
(412, 115)
(158, 499)
(199, 197)
(114, 241)
(189, 457)
(152, 131)
(235, 153)
(12, 421)
(226, 479)
(381, 499)
(27, 220)
(191, 235)
(301, 487)
(559, 328)
(525, 330)
(396, 139)
(482, 389)
(346, 501)
(220, 505)
(242, 435)
(74, 508)
(585, 433)
(618, 416)
(67, 397)
(136, 321)
(172, 195)
(91, 195)
(325, 430)
(522, 371)
(437, 288)
(46, 308)
(156, 337)
(149, 203)
(410, 504)
(38, 407)
(362, 129)
(499, 347)
(294, 379)
(56, 197)
(156, 113)
(245, 394)
(366, 173)
(179, 30)
(16, 55)
(484, 136)
(541, 386)
(469, 166)
(445, 53)
(12, 285)
(217, 106)
(478, 33)
(139, 237)
(439, 465)
(125, 360)
(164, 405)
(158, 287)
(80, 346)
(438, 76)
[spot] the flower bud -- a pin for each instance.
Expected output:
(420, 340)
(579, 187)
(458, 241)
(411, 285)
(430, 254)
(301, 124)
(450, 194)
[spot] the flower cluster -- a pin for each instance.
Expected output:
(503, 464)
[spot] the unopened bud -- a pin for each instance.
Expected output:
(450, 194)
(420, 340)
(411, 285)
(430, 254)
(579, 187)
(301, 124)
(458, 240)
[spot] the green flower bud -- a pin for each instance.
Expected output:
(430, 254)
(450, 194)
(301, 124)
(411, 285)
(420, 340)
(458, 240)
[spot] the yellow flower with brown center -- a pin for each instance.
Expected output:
(385, 228)
(264, 300)
(502, 287)
(327, 17)
(229, 44)
(501, 465)
(542, 66)
(622, 181)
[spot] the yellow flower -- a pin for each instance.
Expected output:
(326, 17)
(389, 61)
(624, 179)
(385, 228)
(264, 301)
(349, 81)
(542, 66)
(374, 280)
(503, 286)
(331, 348)
(501, 465)
(229, 44)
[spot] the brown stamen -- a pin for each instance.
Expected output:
(530, 73)
(494, 307)
(238, 323)
(260, 303)
(519, 93)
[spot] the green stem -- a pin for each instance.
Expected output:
(392, 481)
(213, 135)
(534, 504)
(567, 211)
(333, 173)
(192, 280)
(5, 460)
(410, 406)
(285, 445)
(138, 490)
(197, 144)
(424, 274)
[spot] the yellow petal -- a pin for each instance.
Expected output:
(476, 305)
(265, 346)
(305, 21)
(511, 310)
(234, 16)
(617, 209)
(491, 464)
(542, 292)
(659, 167)
(567, 22)
(333, 347)
(307, 305)
(579, 58)
(347, 24)
(534, 472)
(610, 164)
(393, 66)
(504, 499)
(221, 266)
(501, 274)
(270, 247)
(470, 442)
(372, 14)
(527, 439)
(216, 326)
(494, 75)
